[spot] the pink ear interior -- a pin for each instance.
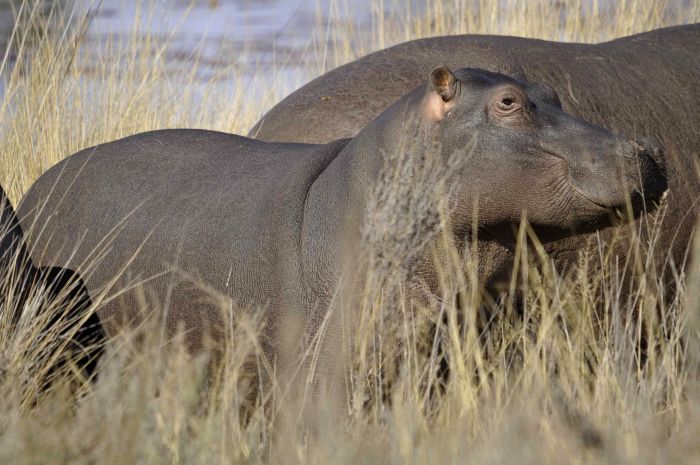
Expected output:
(434, 108)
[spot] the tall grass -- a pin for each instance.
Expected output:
(559, 378)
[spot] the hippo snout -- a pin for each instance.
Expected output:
(622, 173)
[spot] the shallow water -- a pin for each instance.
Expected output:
(289, 36)
(292, 38)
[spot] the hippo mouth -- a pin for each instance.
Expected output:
(566, 174)
(636, 198)
(635, 201)
(599, 205)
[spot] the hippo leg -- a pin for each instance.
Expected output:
(63, 291)
(70, 300)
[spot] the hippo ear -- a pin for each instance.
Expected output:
(444, 83)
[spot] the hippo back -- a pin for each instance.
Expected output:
(176, 208)
(341, 102)
(644, 86)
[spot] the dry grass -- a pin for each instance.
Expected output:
(558, 381)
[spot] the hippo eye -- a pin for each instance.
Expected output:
(507, 104)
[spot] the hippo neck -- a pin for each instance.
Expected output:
(339, 199)
(344, 189)
(362, 161)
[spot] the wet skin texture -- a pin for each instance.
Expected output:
(644, 86)
(269, 225)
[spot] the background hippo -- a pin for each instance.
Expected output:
(645, 86)
(269, 225)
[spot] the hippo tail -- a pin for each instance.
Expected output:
(56, 299)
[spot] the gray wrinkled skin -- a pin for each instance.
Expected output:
(644, 86)
(269, 224)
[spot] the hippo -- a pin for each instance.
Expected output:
(644, 85)
(172, 215)
(59, 290)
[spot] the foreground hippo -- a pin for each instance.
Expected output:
(269, 224)
(57, 290)
(645, 86)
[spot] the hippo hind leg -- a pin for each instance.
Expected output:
(62, 292)
(67, 297)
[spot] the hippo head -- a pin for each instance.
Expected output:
(526, 156)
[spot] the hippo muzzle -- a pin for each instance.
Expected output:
(625, 173)
(611, 171)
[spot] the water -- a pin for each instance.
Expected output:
(289, 37)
